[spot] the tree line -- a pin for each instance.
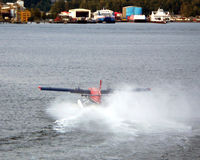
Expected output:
(184, 7)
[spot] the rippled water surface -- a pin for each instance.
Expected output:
(161, 124)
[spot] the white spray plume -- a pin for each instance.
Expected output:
(124, 111)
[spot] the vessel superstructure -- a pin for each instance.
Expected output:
(104, 15)
(160, 16)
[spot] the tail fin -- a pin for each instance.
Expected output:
(100, 84)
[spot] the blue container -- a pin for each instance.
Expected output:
(133, 11)
(129, 11)
(137, 11)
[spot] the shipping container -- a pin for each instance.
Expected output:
(131, 10)
(138, 11)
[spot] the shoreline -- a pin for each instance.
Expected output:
(99, 23)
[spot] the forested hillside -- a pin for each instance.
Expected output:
(184, 7)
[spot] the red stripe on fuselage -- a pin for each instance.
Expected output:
(95, 95)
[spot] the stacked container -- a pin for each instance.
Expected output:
(131, 10)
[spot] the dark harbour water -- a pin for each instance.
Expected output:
(162, 124)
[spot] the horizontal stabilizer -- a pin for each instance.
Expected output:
(141, 89)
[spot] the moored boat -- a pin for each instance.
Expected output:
(159, 16)
(104, 16)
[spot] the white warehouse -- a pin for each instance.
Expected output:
(80, 13)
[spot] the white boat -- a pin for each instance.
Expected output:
(104, 15)
(160, 16)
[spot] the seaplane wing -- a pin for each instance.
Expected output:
(88, 92)
(110, 91)
(94, 94)
(76, 90)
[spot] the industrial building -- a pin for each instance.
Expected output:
(14, 12)
(80, 14)
(24, 16)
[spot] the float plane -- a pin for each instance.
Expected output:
(93, 94)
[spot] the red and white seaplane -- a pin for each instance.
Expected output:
(93, 94)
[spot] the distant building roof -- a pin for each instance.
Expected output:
(64, 13)
(79, 9)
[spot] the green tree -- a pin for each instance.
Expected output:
(83, 4)
(102, 4)
(35, 15)
(58, 7)
(186, 9)
(44, 5)
(196, 7)
(75, 3)
(43, 15)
